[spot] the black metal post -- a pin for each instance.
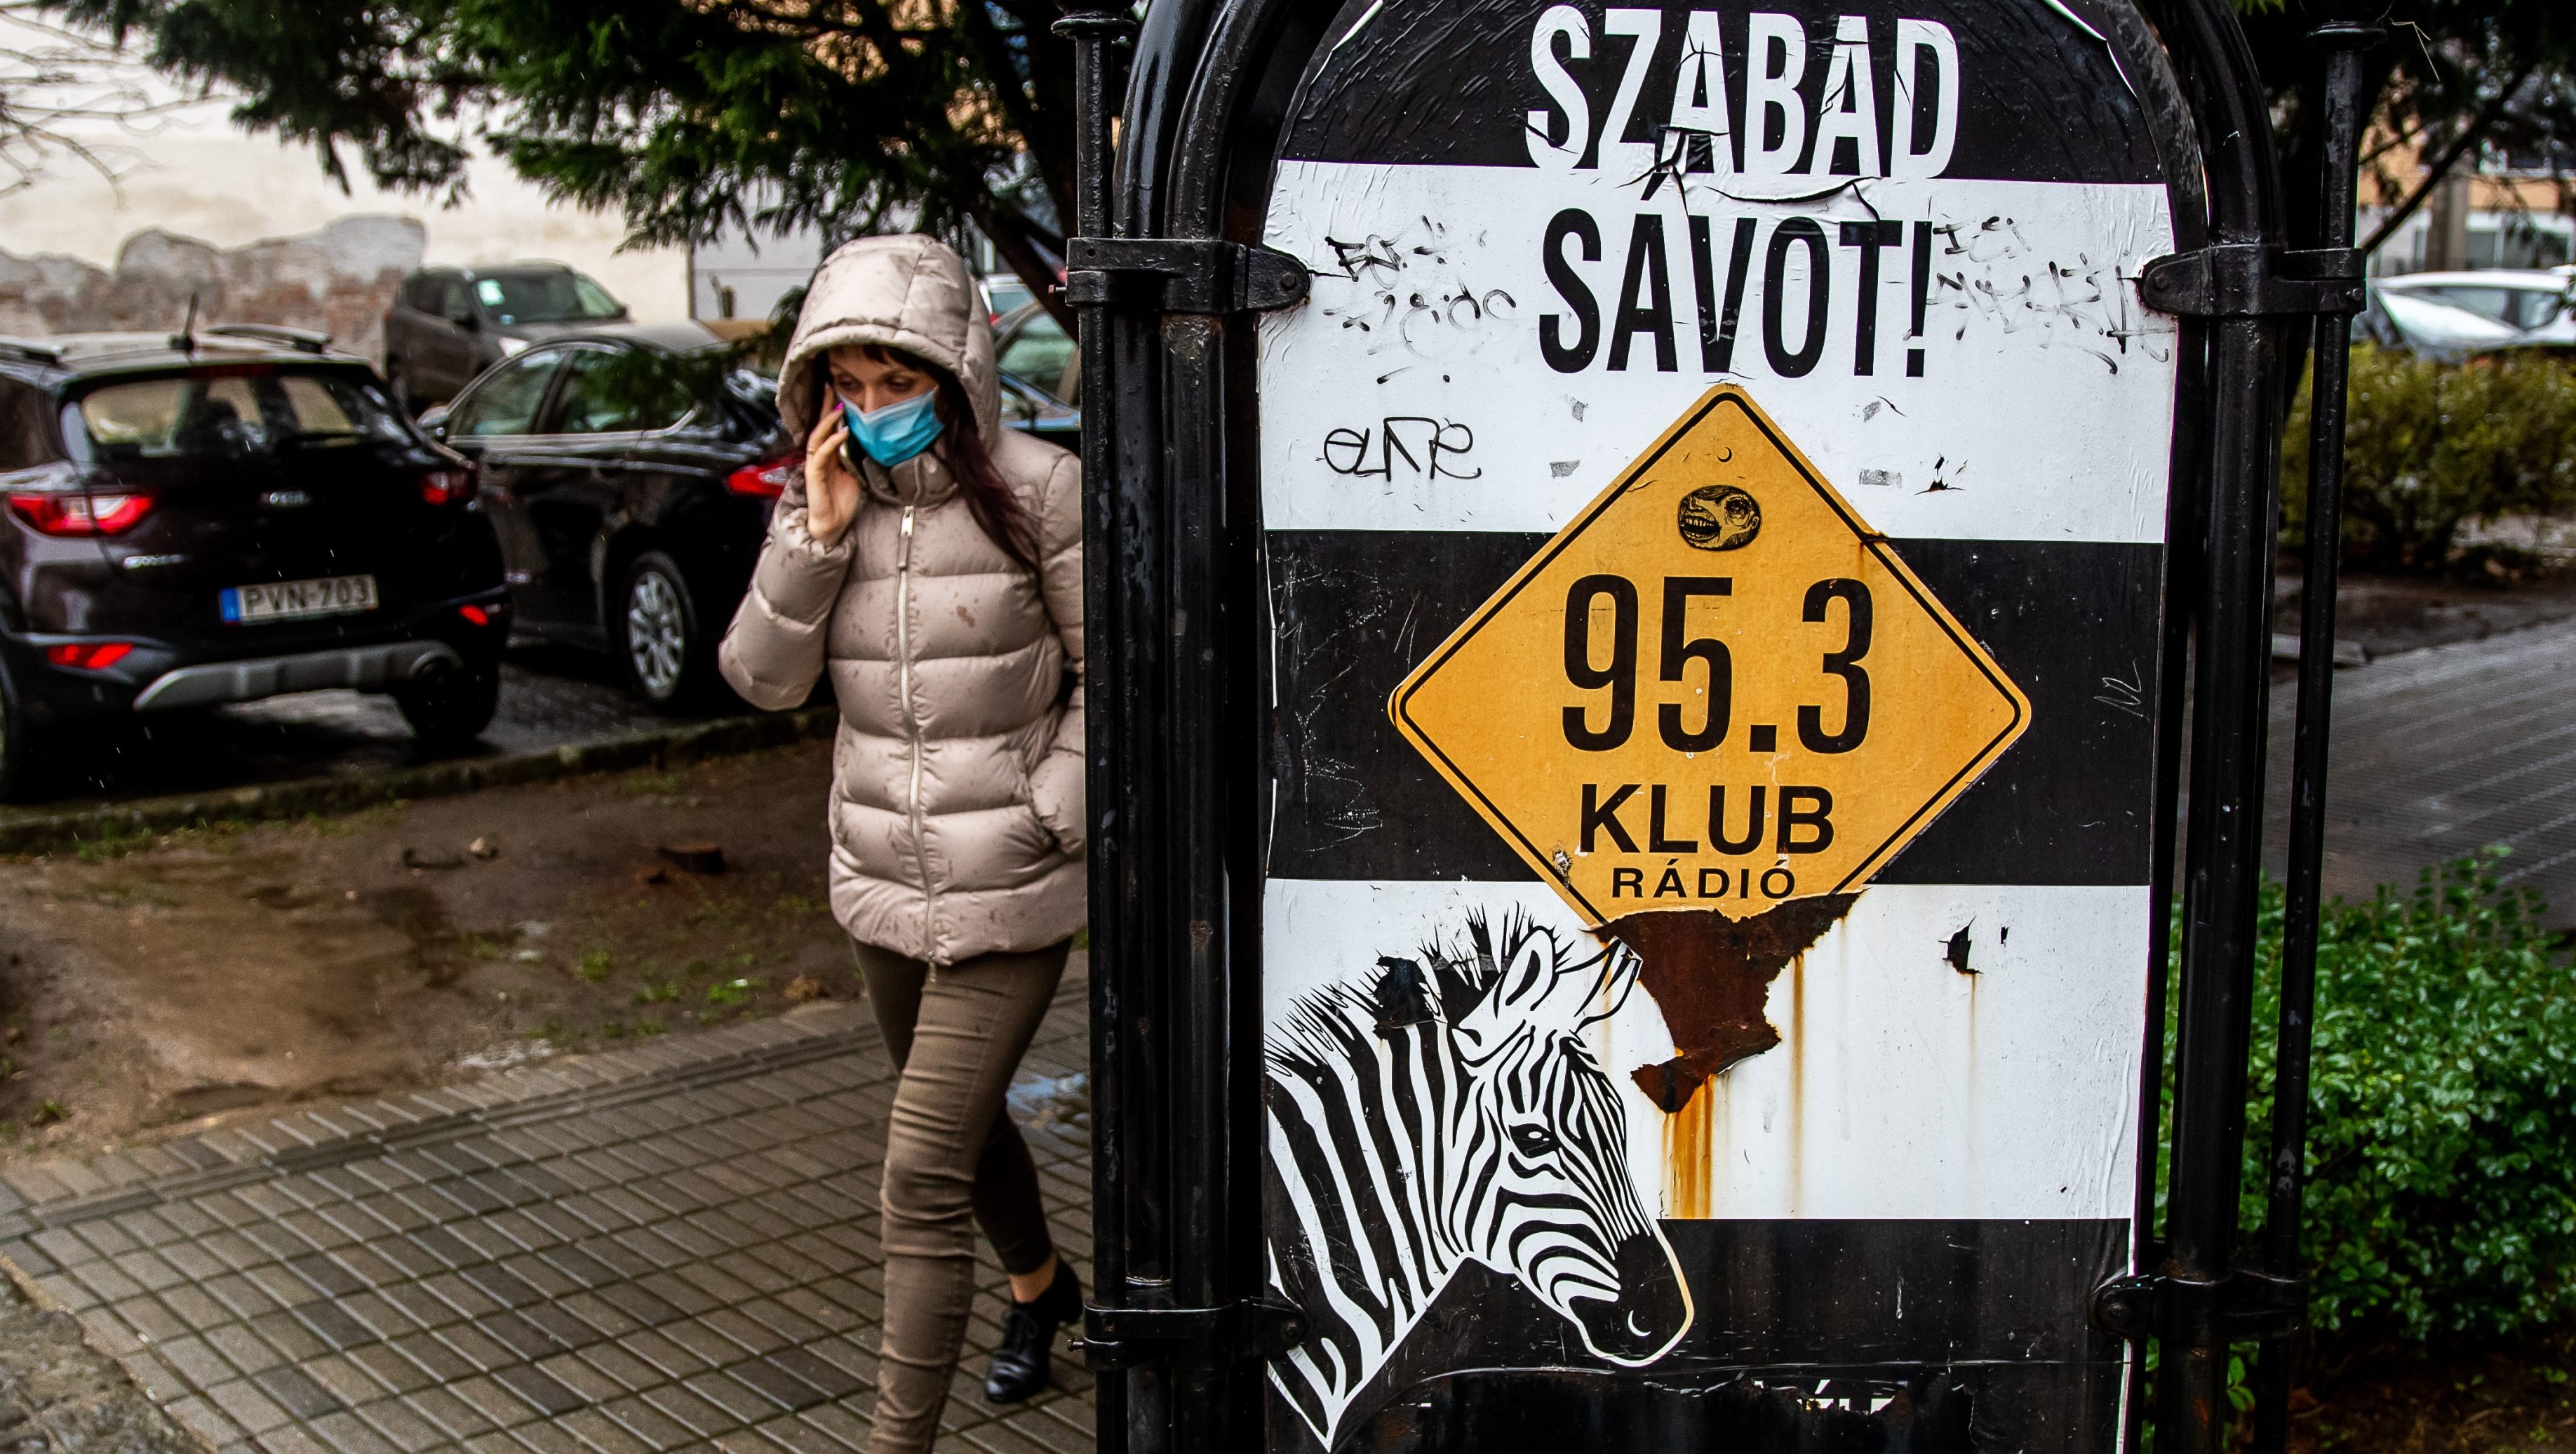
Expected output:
(1117, 881)
(2338, 162)
(2230, 685)
(2184, 529)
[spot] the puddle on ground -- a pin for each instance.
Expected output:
(206, 1100)
(504, 1056)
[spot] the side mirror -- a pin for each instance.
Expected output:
(433, 422)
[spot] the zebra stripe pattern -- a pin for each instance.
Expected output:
(1446, 1111)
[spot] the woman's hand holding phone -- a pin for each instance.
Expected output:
(831, 488)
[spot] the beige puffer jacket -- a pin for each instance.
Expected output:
(957, 795)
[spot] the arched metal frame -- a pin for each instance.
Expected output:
(1162, 270)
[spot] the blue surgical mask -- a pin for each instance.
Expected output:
(896, 432)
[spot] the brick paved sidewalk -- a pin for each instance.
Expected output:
(2440, 752)
(667, 1247)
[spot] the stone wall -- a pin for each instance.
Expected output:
(339, 281)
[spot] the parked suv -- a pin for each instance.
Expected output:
(630, 472)
(449, 324)
(193, 520)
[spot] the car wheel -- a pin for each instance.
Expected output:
(660, 641)
(451, 708)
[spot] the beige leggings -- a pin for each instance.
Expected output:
(953, 1162)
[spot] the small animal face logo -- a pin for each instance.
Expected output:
(1720, 517)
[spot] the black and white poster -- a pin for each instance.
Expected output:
(1903, 1149)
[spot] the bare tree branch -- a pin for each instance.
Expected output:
(58, 85)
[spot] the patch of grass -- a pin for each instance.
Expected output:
(735, 991)
(648, 1027)
(209, 832)
(115, 841)
(716, 913)
(338, 825)
(47, 1113)
(657, 992)
(478, 946)
(594, 966)
(654, 784)
(798, 904)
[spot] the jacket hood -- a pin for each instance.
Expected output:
(909, 292)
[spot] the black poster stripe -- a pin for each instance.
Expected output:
(2029, 1408)
(1992, 1305)
(2073, 625)
(1445, 83)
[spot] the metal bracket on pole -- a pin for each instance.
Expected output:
(1181, 274)
(2251, 280)
(2246, 1306)
(1124, 1337)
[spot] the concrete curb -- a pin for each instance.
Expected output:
(35, 832)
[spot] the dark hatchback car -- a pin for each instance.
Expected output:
(630, 473)
(191, 521)
(449, 324)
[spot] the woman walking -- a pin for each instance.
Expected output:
(931, 566)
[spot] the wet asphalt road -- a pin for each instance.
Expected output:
(550, 696)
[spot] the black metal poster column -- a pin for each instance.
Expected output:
(1642, 557)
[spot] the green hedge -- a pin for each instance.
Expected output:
(2430, 446)
(2442, 1144)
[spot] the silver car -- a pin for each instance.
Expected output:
(2466, 312)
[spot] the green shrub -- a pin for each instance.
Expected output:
(2442, 1140)
(2430, 446)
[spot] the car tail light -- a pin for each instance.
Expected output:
(89, 655)
(81, 514)
(765, 480)
(447, 487)
(474, 615)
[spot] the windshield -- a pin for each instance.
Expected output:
(2512, 307)
(544, 298)
(237, 414)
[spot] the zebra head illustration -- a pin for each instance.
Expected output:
(1448, 1111)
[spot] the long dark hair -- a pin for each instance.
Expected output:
(961, 448)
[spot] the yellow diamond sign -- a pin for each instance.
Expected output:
(1717, 688)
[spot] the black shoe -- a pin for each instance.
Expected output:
(1020, 1365)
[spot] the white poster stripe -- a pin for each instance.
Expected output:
(1904, 1089)
(1413, 391)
